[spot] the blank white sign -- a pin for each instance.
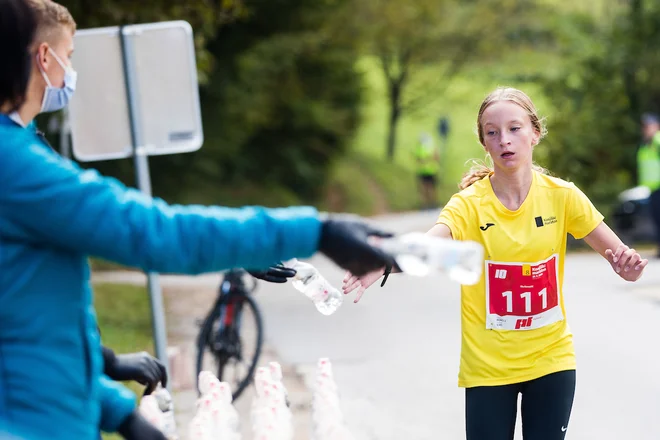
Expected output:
(165, 93)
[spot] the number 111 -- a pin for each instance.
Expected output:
(527, 296)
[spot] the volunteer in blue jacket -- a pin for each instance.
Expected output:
(53, 215)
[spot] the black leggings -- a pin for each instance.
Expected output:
(490, 412)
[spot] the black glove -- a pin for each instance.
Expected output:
(344, 241)
(139, 367)
(274, 274)
(136, 427)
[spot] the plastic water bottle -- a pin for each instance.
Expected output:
(164, 400)
(201, 427)
(270, 416)
(150, 410)
(419, 254)
(327, 418)
(276, 375)
(216, 417)
(309, 281)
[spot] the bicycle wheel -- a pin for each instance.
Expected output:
(231, 348)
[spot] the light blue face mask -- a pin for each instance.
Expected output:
(56, 98)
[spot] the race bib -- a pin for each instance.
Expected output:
(522, 296)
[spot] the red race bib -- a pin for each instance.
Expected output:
(522, 296)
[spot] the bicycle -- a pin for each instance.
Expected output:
(220, 332)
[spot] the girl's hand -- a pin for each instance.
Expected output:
(626, 262)
(352, 282)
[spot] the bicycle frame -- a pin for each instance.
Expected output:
(229, 303)
(232, 285)
(220, 331)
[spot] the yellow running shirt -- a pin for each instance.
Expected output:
(513, 321)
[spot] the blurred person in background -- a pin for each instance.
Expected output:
(54, 215)
(648, 168)
(427, 162)
(515, 338)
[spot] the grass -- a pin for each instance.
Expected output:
(124, 317)
(366, 185)
(99, 265)
(123, 313)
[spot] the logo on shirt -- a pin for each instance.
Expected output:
(500, 274)
(488, 225)
(542, 221)
(524, 323)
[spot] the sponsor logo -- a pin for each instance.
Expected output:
(486, 226)
(543, 221)
(524, 323)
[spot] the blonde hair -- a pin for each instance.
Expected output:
(51, 17)
(480, 170)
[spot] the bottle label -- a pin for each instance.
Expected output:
(521, 295)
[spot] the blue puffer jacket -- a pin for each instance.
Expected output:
(52, 216)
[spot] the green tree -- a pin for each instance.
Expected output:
(422, 44)
(279, 102)
(283, 103)
(206, 17)
(607, 80)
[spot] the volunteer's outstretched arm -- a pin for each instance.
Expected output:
(48, 199)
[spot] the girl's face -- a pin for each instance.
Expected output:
(509, 136)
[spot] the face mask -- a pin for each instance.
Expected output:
(56, 98)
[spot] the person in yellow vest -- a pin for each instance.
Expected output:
(515, 339)
(427, 161)
(648, 167)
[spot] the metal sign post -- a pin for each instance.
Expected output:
(141, 162)
(138, 96)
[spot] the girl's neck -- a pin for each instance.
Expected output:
(512, 187)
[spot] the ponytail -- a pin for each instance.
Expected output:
(478, 170)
